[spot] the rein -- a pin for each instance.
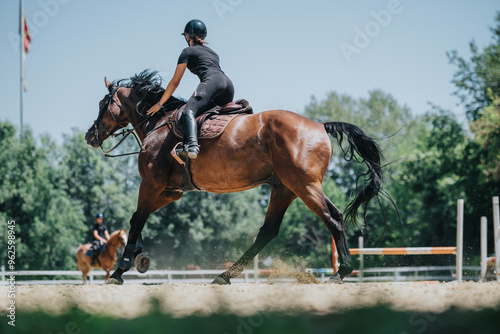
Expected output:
(125, 133)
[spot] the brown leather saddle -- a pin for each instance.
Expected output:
(211, 123)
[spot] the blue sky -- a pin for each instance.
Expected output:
(278, 53)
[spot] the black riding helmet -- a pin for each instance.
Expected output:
(195, 28)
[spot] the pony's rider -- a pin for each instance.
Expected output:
(215, 87)
(101, 236)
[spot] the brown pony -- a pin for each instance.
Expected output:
(107, 257)
(289, 152)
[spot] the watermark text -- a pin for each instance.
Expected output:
(11, 262)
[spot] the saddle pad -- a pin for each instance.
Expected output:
(99, 250)
(212, 127)
(212, 123)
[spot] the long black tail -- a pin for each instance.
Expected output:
(363, 146)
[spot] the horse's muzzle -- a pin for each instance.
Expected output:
(91, 138)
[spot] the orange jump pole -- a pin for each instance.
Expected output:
(458, 250)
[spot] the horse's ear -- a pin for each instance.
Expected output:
(109, 84)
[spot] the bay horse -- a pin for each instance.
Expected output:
(106, 259)
(289, 152)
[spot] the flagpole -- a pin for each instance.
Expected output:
(21, 55)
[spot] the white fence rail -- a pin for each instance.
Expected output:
(395, 274)
(132, 276)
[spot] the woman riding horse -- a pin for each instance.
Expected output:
(283, 149)
(215, 87)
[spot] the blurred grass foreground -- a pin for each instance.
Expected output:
(380, 319)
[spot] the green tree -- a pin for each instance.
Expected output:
(32, 194)
(478, 85)
(99, 184)
(486, 131)
(478, 79)
(444, 168)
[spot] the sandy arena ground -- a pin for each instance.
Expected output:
(180, 300)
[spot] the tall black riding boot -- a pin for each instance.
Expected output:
(94, 255)
(191, 133)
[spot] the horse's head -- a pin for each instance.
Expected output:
(118, 238)
(111, 117)
(122, 238)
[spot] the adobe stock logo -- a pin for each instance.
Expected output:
(365, 35)
(48, 10)
(224, 6)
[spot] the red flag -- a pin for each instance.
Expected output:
(26, 34)
(25, 40)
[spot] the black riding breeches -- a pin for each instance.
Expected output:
(96, 245)
(215, 90)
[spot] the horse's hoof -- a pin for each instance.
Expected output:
(335, 279)
(344, 270)
(116, 278)
(142, 263)
(114, 281)
(221, 281)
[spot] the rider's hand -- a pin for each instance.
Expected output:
(153, 110)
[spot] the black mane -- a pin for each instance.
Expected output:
(147, 90)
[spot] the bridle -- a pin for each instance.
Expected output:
(106, 106)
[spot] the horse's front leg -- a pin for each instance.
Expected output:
(137, 223)
(149, 201)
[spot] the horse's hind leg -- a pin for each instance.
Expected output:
(82, 265)
(85, 272)
(281, 198)
(313, 196)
